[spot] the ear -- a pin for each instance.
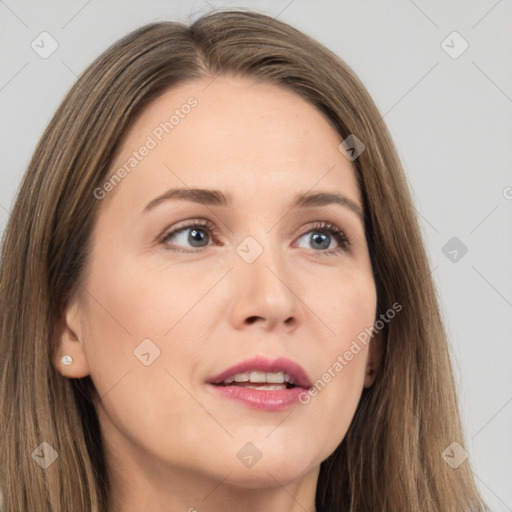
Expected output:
(373, 360)
(70, 338)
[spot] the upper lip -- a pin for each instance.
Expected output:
(262, 364)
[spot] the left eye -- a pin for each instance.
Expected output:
(320, 239)
(197, 236)
(321, 236)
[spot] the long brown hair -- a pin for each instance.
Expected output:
(391, 458)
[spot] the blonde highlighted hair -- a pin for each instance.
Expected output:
(390, 460)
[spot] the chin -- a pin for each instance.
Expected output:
(263, 478)
(269, 473)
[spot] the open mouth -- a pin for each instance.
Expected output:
(260, 383)
(264, 381)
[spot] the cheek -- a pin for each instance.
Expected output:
(180, 308)
(348, 311)
(141, 300)
(142, 352)
(146, 332)
(134, 302)
(345, 300)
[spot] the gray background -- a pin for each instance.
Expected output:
(451, 119)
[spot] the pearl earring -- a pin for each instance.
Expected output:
(67, 360)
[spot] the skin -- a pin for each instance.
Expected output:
(171, 442)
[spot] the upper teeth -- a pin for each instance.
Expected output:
(270, 377)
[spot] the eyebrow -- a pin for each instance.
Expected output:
(212, 197)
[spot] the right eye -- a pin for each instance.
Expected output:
(195, 235)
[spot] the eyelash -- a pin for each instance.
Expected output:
(344, 242)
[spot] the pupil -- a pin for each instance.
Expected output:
(196, 236)
(324, 238)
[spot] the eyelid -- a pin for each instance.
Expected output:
(188, 224)
(342, 239)
(332, 228)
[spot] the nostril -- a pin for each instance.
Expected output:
(252, 319)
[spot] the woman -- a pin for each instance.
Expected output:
(214, 292)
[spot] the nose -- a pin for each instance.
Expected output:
(266, 295)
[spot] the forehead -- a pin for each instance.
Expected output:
(233, 134)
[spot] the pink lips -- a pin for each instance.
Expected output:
(269, 400)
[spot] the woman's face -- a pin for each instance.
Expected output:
(166, 307)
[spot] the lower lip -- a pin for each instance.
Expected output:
(265, 400)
